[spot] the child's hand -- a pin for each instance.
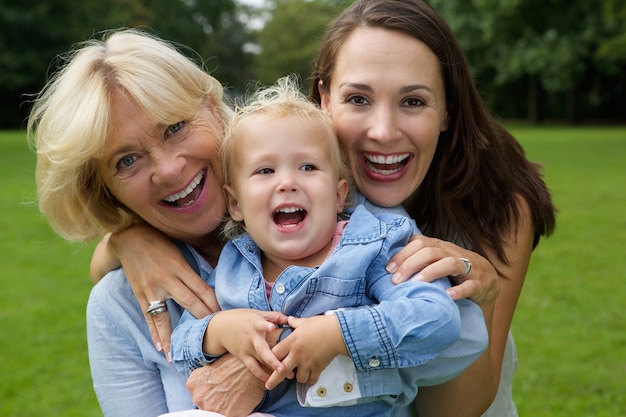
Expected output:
(311, 346)
(245, 333)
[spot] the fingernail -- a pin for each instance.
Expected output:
(391, 267)
(159, 347)
(452, 293)
(396, 278)
(169, 358)
(418, 277)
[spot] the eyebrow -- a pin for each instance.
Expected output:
(405, 89)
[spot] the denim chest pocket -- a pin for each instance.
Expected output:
(328, 293)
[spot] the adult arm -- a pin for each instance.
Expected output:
(103, 260)
(221, 383)
(156, 270)
(476, 387)
(237, 398)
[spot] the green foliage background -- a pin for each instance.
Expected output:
(569, 325)
(535, 60)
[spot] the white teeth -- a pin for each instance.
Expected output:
(288, 210)
(184, 193)
(391, 159)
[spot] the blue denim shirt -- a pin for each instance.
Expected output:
(393, 355)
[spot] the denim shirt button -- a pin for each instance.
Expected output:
(374, 362)
(280, 288)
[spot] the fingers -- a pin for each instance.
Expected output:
(275, 317)
(426, 259)
(278, 376)
(193, 294)
(263, 350)
(437, 268)
(256, 369)
(196, 296)
(274, 379)
(405, 253)
(163, 325)
(153, 333)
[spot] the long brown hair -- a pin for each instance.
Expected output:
(469, 193)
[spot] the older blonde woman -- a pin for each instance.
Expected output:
(129, 129)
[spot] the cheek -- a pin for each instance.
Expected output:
(425, 137)
(347, 131)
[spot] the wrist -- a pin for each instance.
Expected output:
(211, 344)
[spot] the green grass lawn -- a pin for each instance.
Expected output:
(569, 326)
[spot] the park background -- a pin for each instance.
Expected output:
(554, 71)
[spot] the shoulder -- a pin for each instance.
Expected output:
(364, 227)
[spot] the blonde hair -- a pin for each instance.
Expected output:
(280, 100)
(70, 121)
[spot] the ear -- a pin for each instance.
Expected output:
(342, 192)
(324, 96)
(232, 204)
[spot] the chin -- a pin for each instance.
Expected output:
(387, 199)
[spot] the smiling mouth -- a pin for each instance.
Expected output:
(289, 217)
(386, 165)
(189, 195)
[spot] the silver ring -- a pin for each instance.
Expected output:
(156, 307)
(468, 267)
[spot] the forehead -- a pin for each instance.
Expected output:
(290, 128)
(377, 55)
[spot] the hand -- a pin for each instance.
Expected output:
(247, 334)
(226, 387)
(427, 259)
(157, 270)
(302, 349)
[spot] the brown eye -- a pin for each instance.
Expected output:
(357, 100)
(413, 102)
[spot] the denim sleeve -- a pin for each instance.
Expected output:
(412, 323)
(451, 362)
(415, 336)
(186, 349)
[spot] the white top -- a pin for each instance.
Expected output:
(503, 405)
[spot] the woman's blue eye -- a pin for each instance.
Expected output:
(308, 167)
(175, 128)
(126, 161)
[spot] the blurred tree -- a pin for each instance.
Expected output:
(34, 32)
(551, 46)
(614, 45)
(289, 41)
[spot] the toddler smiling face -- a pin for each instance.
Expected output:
(285, 188)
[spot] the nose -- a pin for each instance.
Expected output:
(287, 183)
(167, 168)
(383, 125)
